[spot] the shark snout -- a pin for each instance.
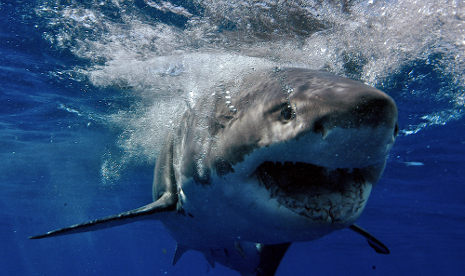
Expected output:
(375, 108)
(351, 126)
(366, 109)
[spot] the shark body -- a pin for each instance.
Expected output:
(279, 156)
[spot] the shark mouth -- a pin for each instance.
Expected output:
(323, 195)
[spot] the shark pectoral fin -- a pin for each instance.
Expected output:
(167, 202)
(270, 258)
(378, 246)
(180, 250)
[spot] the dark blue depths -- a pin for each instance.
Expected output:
(51, 159)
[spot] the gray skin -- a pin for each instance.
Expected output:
(280, 155)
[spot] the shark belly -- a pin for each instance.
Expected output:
(213, 217)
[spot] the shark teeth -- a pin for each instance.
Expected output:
(318, 193)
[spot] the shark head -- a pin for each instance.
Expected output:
(315, 142)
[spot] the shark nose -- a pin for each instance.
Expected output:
(360, 109)
(374, 109)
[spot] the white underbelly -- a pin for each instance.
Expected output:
(220, 213)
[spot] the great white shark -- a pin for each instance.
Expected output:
(279, 156)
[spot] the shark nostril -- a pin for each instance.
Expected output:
(318, 127)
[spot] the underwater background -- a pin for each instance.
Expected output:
(88, 90)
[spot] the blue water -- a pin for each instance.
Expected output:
(73, 146)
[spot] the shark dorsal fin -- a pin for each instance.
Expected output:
(373, 242)
(167, 202)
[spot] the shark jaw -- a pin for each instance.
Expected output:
(324, 180)
(323, 195)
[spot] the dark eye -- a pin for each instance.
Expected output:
(287, 113)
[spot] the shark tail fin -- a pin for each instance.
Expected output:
(165, 203)
(373, 242)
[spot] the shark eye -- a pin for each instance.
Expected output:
(287, 113)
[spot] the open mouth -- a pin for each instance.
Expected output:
(321, 194)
